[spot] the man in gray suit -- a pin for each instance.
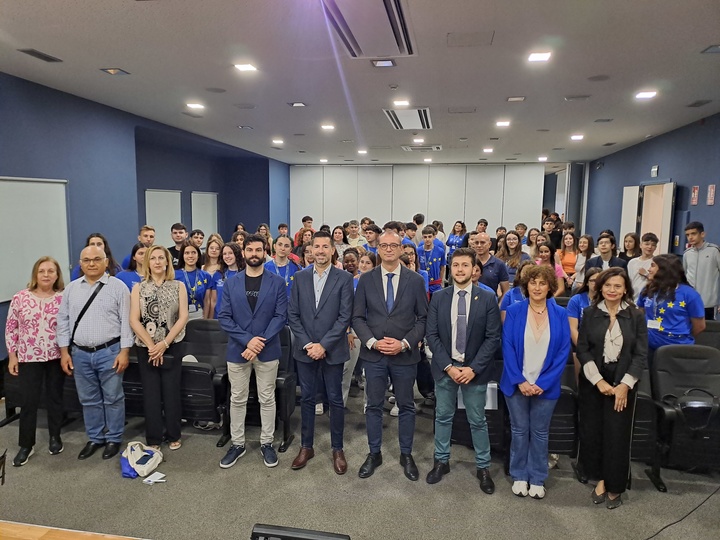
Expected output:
(389, 319)
(463, 332)
(319, 316)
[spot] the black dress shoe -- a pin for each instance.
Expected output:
(90, 449)
(111, 450)
(486, 482)
(55, 446)
(372, 462)
(409, 467)
(439, 470)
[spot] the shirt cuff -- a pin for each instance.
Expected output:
(629, 380)
(370, 343)
(591, 373)
(407, 345)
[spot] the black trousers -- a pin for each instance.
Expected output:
(605, 436)
(31, 376)
(161, 394)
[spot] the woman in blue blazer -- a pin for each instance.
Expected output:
(536, 346)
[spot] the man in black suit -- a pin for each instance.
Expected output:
(389, 319)
(463, 333)
(319, 316)
(607, 258)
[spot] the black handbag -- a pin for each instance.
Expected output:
(697, 407)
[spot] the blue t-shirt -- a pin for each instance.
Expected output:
(431, 261)
(577, 304)
(129, 278)
(197, 284)
(368, 247)
(512, 270)
(493, 272)
(286, 272)
(126, 263)
(407, 242)
(425, 276)
(453, 242)
(513, 296)
(673, 316)
(216, 284)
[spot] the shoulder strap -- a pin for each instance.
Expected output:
(84, 309)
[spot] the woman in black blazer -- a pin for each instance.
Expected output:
(612, 349)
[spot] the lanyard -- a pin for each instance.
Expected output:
(286, 277)
(190, 288)
(428, 260)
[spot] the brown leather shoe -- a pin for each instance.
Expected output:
(302, 458)
(339, 462)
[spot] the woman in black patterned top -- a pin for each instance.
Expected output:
(158, 314)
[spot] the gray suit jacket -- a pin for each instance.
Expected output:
(328, 323)
(484, 333)
(406, 320)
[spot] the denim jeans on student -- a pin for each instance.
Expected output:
(529, 424)
(101, 393)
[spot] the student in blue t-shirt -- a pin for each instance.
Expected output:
(455, 238)
(197, 282)
(371, 235)
(231, 262)
(281, 264)
(674, 311)
(431, 258)
(134, 273)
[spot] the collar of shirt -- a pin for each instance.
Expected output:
(395, 271)
(103, 279)
(324, 273)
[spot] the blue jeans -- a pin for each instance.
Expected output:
(446, 391)
(529, 424)
(101, 393)
(308, 375)
(403, 379)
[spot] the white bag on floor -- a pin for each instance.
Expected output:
(142, 458)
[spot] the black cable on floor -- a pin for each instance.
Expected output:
(686, 515)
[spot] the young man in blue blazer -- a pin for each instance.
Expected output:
(464, 333)
(253, 312)
(319, 315)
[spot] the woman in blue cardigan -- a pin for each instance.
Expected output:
(536, 346)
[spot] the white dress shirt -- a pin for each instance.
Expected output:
(456, 355)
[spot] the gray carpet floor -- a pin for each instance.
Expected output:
(200, 500)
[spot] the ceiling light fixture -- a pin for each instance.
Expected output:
(712, 49)
(195, 106)
(503, 123)
(419, 140)
(542, 158)
(648, 94)
(323, 160)
(514, 99)
(383, 63)
(296, 104)
(245, 127)
(488, 150)
(427, 160)
(577, 137)
(539, 57)
(401, 103)
(115, 71)
(277, 141)
(327, 127)
(245, 67)
(362, 152)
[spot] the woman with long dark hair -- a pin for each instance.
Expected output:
(97, 239)
(340, 241)
(231, 263)
(511, 254)
(197, 282)
(456, 236)
(546, 257)
(134, 273)
(631, 243)
(585, 251)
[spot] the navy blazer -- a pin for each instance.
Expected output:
(406, 320)
(597, 262)
(484, 332)
(242, 324)
(328, 323)
(514, 349)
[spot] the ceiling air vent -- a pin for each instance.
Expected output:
(371, 28)
(423, 148)
(409, 118)
(40, 55)
(700, 103)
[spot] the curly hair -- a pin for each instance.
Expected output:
(540, 271)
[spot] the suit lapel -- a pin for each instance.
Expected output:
(377, 279)
(445, 310)
(332, 279)
(243, 296)
(402, 283)
(474, 306)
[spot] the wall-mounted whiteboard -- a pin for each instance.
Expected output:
(204, 212)
(162, 210)
(34, 210)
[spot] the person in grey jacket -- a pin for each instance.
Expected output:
(701, 262)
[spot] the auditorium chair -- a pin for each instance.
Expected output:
(563, 433)
(644, 436)
(710, 337)
(562, 301)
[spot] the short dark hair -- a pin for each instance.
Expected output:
(196, 231)
(178, 227)
(500, 228)
(377, 230)
(323, 234)
(306, 218)
(695, 225)
(650, 237)
(394, 225)
(429, 230)
(540, 271)
(411, 225)
(281, 225)
(483, 221)
(255, 237)
(465, 252)
(419, 218)
(568, 225)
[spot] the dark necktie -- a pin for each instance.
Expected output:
(461, 337)
(390, 301)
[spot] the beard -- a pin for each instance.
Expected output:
(254, 262)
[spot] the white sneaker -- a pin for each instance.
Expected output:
(520, 488)
(536, 492)
(319, 409)
(395, 411)
(391, 399)
(553, 460)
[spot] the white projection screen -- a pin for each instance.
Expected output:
(162, 210)
(204, 212)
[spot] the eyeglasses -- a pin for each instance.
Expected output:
(96, 260)
(386, 246)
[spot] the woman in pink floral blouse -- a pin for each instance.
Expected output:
(30, 337)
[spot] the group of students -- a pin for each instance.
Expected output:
(360, 293)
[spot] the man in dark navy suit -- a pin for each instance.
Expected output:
(320, 311)
(389, 319)
(463, 333)
(253, 312)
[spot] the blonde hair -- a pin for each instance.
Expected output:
(59, 284)
(169, 270)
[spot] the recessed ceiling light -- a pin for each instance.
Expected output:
(539, 57)
(502, 123)
(488, 150)
(711, 49)
(115, 71)
(296, 104)
(323, 160)
(245, 67)
(578, 97)
(277, 141)
(245, 127)
(328, 127)
(513, 99)
(383, 63)
(362, 152)
(195, 106)
(401, 103)
(493, 138)
(558, 149)
(542, 158)
(347, 141)
(577, 137)
(648, 94)
(427, 159)
(419, 140)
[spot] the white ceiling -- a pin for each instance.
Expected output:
(176, 49)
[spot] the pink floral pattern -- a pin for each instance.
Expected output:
(31, 327)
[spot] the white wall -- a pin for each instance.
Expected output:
(502, 194)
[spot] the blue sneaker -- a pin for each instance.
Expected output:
(269, 455)
(233, 454)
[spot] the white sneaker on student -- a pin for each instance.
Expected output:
(395, 411)
(520, 488)
(319, 409)
(536, 492)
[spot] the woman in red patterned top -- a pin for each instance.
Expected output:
(30, 338)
